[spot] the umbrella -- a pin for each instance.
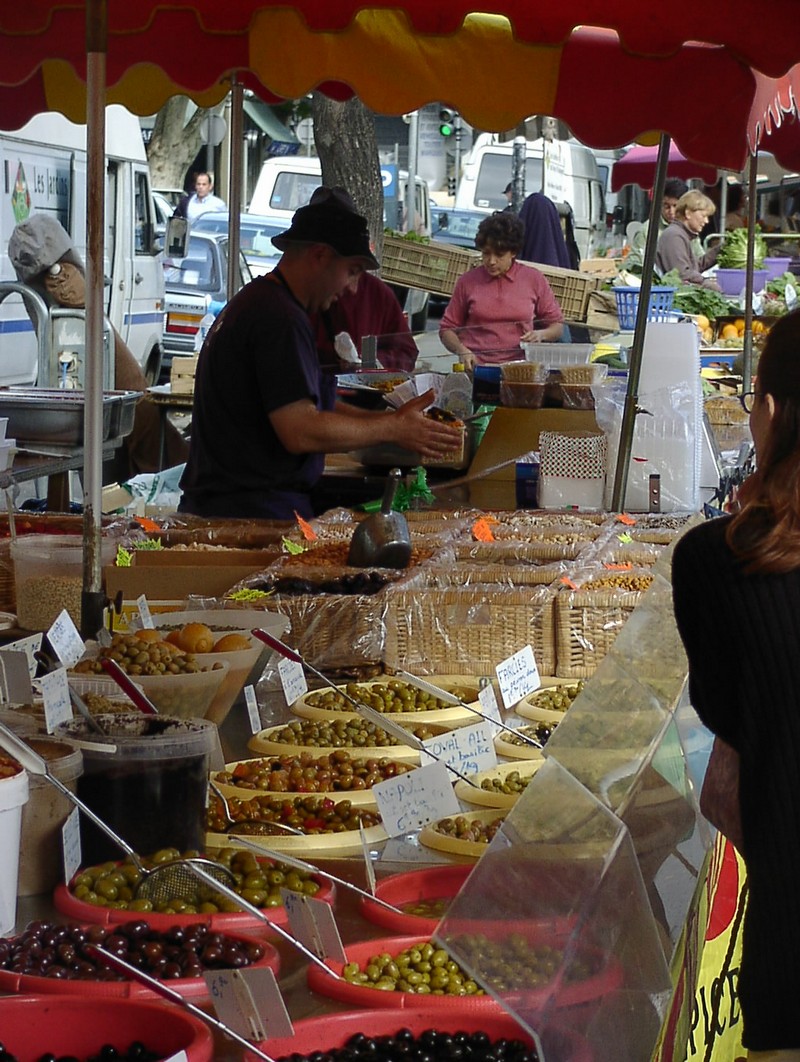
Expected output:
(638, 166)
(75, 57)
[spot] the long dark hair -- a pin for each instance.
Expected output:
(765, 533)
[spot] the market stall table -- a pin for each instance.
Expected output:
(50, 465)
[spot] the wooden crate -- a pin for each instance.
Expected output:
(571, 289)
(433, 267)
(182, 373)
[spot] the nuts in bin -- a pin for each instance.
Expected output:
(143, 654)
(258, 881)
(312, 815)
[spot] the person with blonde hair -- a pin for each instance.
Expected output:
(674, 250)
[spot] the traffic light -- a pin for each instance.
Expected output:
(447, 121)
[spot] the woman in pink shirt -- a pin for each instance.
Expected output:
(501, 303)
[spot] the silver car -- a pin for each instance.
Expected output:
(255, 237)
(196, 285)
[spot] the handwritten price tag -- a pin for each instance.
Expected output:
(488, 702)
(234, 1003)
(313, 924)
(410, 801)
(368, 867)
(57, 705)
(518, 676)
(65, 640)
(469, 749)
(71, 844)
(144, 613)
(29, 646)
(293, 679)
(252, 709)
(15, 678)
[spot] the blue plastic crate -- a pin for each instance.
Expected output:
(659, 307)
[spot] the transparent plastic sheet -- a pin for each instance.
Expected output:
(238, 534)
(588, 618)
(557, 875)
(466, 629)
(664, 435)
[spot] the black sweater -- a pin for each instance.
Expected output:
(742, 638)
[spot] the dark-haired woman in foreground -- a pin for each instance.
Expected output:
(736, 589)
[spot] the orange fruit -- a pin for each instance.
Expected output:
(232, 643)
(195, 638)
(147, 634)
(729, 331)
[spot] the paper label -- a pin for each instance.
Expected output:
(488, 701)
(293, 679)
(57, 705)
(467, 749)
(309, 534)
(144, 613)
(71, 844)
(313, 924)
(518, 676)
(66, 642)
(29, 646)
(252, 709)
(234, 1004)
(407, 850)
(15, 678)
(410, 801)
(369, 869)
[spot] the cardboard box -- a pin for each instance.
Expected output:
(205, 558)
(175, 581)
(513, 432)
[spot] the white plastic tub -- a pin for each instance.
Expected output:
(13, 795)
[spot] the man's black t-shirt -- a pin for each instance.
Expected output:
(259, 356)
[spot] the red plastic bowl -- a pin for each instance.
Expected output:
(333, 1030)
(431, 884)
(32, 1026)
(608, 978)
(238, 922)
(193, 988)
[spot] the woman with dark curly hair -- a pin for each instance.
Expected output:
(500, 303)
(736, 590)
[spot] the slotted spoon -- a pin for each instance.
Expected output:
(215, 789)
(172, 879)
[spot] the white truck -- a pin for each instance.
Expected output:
(572, 177)
(43, 168)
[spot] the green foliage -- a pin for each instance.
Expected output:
(733, 253)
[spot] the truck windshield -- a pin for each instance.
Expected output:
(494, 175)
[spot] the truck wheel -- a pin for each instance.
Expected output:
(152, 369)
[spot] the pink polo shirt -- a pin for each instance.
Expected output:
(491, 314)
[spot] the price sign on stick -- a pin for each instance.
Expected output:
(15, 678)
(469, 749)
(71, 844)
(518, 676)
(65, 640)
(144, 612)
(313, 924)
(412, 800)
(488, 701)
(293, 679)
(29, 646)
(251, 701)
(57, 703)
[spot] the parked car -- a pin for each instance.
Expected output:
(255, 237)
(164, 211)
(196, 285)
(456, 226)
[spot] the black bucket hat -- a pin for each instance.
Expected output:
(328, 219)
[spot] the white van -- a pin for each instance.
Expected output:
(573, 178)
(43, 169)
(287, 182)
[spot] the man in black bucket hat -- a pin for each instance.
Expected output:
(264, 415)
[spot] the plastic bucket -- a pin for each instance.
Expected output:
(48, 576)
(13, 794)
(659, 307)
(44, 815)
(732, 281)
(151, 790)
(776, 267)
(35, 1025)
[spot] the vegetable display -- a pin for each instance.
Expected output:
(733, 253)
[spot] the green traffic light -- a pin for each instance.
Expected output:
(446, 129)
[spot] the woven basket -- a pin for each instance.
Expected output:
(586, 624)
(511, 575)
(467, 630)
(540, 549)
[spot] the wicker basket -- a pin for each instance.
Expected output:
(466, 630)
(433, 267)
(586, 624)
(571, 289)
(482, 574)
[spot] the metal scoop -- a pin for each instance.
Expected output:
(142, 702)
(170, 880)
(382, 540)
(232, 823)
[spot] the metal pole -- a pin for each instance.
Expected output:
(635, 367)
(747, 353)
(411, 186)
(92, 598)
(457, 156)
(235, 141)
(518, 156)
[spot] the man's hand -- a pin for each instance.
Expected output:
(415, 431)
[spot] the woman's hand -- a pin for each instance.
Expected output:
(467, 359)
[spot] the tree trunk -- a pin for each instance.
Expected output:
(174, 143)
(344, 134)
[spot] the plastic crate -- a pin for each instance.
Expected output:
(571, 288)
(433, 267)
(659, 307)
